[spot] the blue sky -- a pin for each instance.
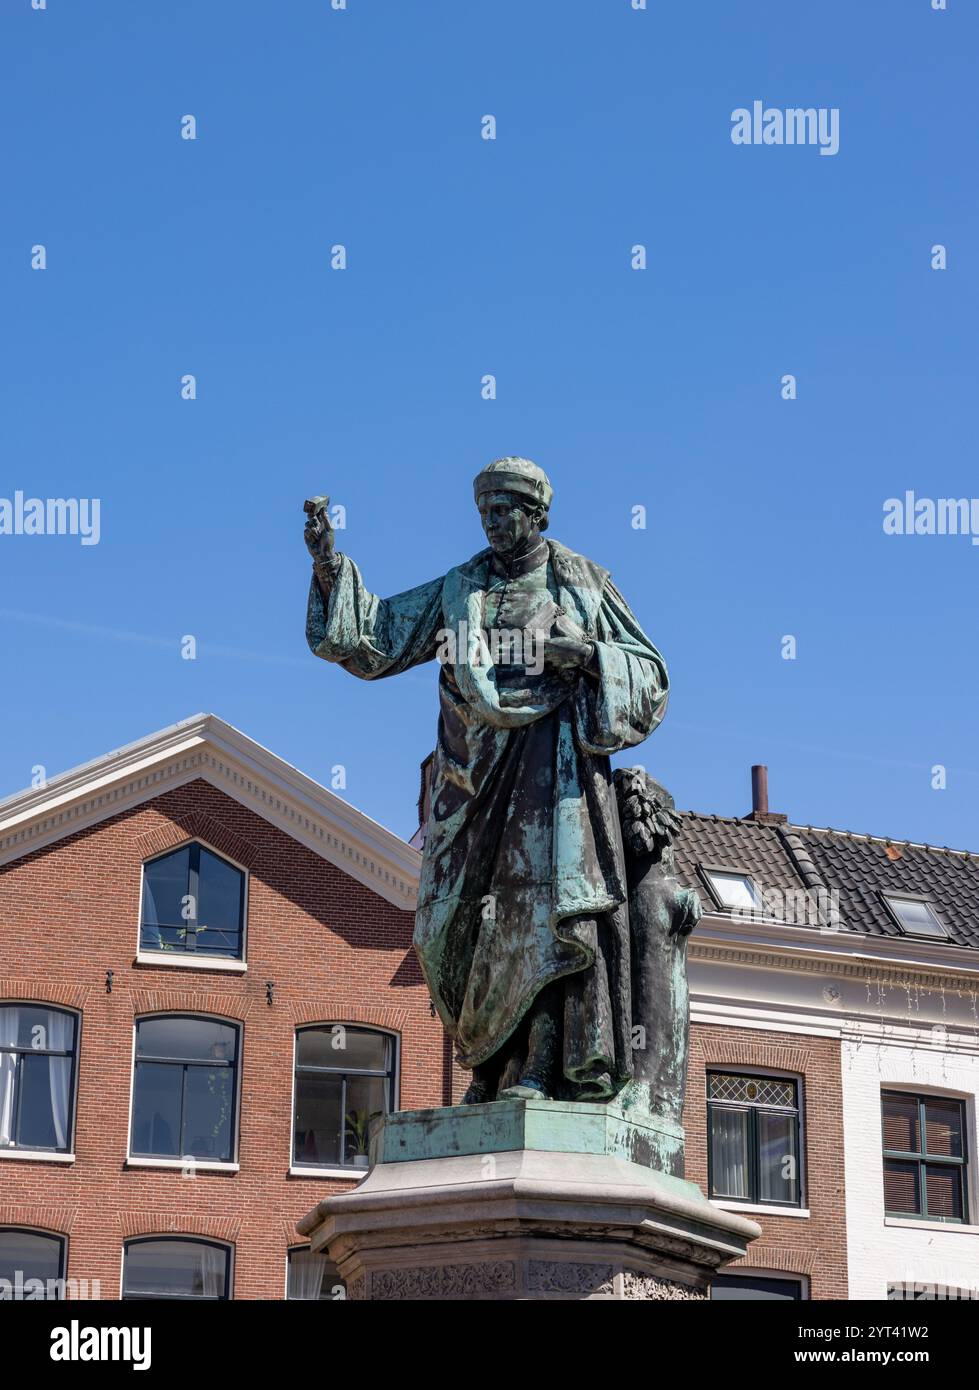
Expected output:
(658, 388)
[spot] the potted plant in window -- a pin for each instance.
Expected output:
(358, 1136)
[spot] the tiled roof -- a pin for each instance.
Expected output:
(859, 867)
(862, 867)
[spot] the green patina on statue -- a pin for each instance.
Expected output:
(552, 943)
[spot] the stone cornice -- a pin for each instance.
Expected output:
(864, 968)
(205, 747)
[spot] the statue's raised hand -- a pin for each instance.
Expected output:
(318, 533)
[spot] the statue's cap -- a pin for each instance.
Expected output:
(514, 475)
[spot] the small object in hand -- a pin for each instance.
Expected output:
(314, 505)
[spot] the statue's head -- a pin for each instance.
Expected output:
(513, 496)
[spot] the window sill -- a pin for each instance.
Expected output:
(910, 1224)
(199, 1165)
(35, 1156)
(351, 1174)
(190, 961)
(760, 1209)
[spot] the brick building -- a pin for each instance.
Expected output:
(207, 987)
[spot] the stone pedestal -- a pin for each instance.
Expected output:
(525, 1199)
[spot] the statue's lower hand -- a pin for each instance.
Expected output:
(566, 653)
(687, 913)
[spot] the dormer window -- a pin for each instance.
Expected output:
(733, 891)
(915, 916)
(193, 902)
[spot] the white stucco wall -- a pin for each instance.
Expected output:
(882, 1251)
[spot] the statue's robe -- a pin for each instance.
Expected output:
(523, 876)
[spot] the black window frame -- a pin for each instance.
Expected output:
(191, 926)
(923, 1158)
(19, 1052)
(186, 1062)
(752, 1198)
(390, 1074)
(11, 1228)
(227, 1249)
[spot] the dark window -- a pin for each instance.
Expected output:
(313, 1276)
(753, 1138)
(915, 916)
(37, 1072)
(192, 901)
(27, 1256)
(184, 1089)
(176, 1268)
(924, 1156)
(344, 1078)
(737, 1286)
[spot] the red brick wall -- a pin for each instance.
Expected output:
(816, 1245)
(336, 952)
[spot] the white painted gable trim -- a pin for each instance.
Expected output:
(206, 747)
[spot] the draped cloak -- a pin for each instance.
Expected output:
(523, 857)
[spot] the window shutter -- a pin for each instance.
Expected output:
(901, 1123)
(901, 1186)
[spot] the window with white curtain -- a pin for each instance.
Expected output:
(753, 1138)
(312, 1276)
(176, 1268)
(37, 1076)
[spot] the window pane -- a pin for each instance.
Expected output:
(901, 1123)
(35, 1256)
(208, 1103)
(916, 917)
(44, 1101)
(220, 891)
(944, 1191)
(778, 1158)
(365, 1100)
(943, 1128)
(165, 885)
(735, 1286)
(8, 1089)
(313, 1276)
(193, 1039)
(156, 1110)
(175, 1268)
(750, 1090)
(901, 1187)
(46, 1030)
(343, 1048)
(318, 1119)
(735, 890)
(729, 1152)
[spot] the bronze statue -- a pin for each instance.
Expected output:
(523, 920)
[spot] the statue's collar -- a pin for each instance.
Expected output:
(570, 570)
(512, 568)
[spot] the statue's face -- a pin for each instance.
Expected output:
(505, 522)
